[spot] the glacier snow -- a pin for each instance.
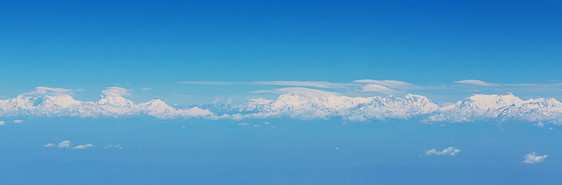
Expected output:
(298, 106)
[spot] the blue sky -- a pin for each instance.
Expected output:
(280, 92)
(93, 45)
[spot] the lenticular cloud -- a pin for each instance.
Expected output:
(304, 106)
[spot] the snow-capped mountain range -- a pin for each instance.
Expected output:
(109, 105)
(298, 106)
(352, 108)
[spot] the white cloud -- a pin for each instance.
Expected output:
(116, 91)
(447, 151)
(2, 123)
(146, 89)
(68, 144)
(534, 158)
(475, 82)
(18, 121)
(82, 147)
(64, 144)
(540, 124)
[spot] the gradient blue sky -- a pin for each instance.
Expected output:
(222, 52)
(153, 44)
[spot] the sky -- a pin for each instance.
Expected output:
(150, 44)
(280, 92)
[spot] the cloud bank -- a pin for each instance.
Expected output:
(297, 103)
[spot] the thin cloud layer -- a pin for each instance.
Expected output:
(475, 82)
(489, 84)
(387, 83)
(50, 91)
(365, 85)
(319, 84)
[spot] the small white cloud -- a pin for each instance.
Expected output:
(2, 123)
(116, 91)
(113, 147)
(540, 124)
(146, 89)
(447, 151)
(84, 146)
(68, 144)
(336, 148)
(18, 121)
(475, 82)
(243, 124)
(64, 144)
(534, 158)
